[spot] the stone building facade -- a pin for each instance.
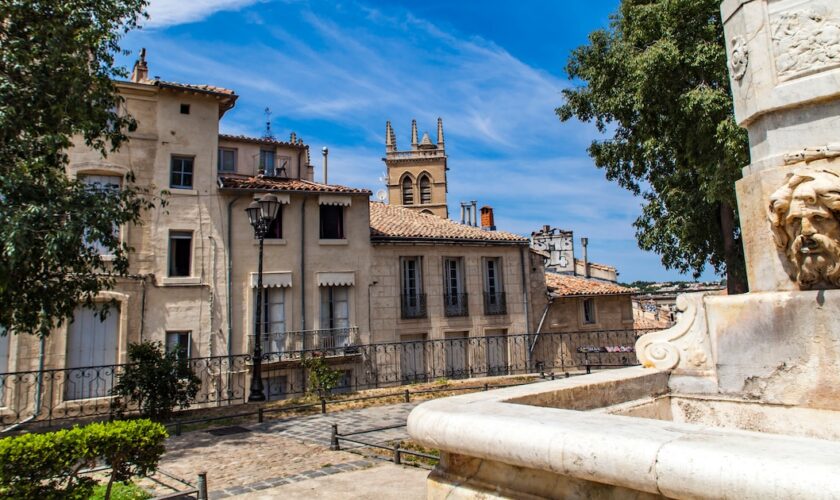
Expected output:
(339, 271)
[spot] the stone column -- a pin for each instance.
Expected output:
(784, 64)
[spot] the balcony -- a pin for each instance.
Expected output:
(413, 305)
(455, 304)
(289, 345)
(495, 303)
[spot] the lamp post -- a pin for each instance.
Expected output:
(261, 213)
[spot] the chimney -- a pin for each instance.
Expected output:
(487, 222)
(140, 72)
(584, 242)
(474, 213)
(325, 152)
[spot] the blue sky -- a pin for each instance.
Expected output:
(334, 72)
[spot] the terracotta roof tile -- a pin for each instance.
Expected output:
(261, 140)
(564, 285)
(211, 89)
(389, 222)
(260, 183)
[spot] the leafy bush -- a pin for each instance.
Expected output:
(46, 466)
(120, 491)
(322, 378)
(155, 381)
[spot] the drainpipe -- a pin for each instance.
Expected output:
(542, 320)
(228, 286)
(525, 287)
(303, 285)
(143, 309)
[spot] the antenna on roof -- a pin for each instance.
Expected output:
(268, 134)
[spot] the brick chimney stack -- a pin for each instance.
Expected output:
(487, 222)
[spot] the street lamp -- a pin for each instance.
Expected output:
(261, 213)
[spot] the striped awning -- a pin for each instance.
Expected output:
(333, 199)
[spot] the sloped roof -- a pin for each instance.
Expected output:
(262, 183)
(565, 285)
(389, 222)
(261, 140)
(210, 89)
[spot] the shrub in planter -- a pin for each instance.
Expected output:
(322, 378)
(46, 466)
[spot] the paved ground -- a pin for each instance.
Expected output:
(289, 453)
(382, 482)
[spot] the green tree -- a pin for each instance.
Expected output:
(56, 90)
(322, 378)
(656, 83)
(155, 382)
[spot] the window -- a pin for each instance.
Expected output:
(412, 299)
(425, 190)
(589, 311)
(273, 319)
(108, 185)
(332, 222)
(91, 352)
(179, 343)
(181, 173)
(413, 358)
(407, 191)
(180, 253)
(454, 298)
(344, 383)
(275, 228)
(267, 162)
(227, 160)
(185, 109)
(494, 297)
(335, 307)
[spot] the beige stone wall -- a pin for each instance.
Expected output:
(386, 321)
(248, 157)
(612, 312)
(435, 167)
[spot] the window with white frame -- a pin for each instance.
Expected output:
(179, 343)
(267, 162)
(181, 172)
(91, 354)
(227, 160)
(493, 276)
(412, 284)
(180, 253)
(452, 276)
(589, 317)
(108, 185)
(273, 319)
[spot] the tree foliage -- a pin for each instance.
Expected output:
(656, 83)
(56, 90)
(322, 378)
(155, 382)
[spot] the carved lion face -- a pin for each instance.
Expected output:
(804, 219)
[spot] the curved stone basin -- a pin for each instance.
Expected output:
(623, 434)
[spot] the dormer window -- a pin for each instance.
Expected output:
(267, 162)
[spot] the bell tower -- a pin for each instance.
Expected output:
(417, 177)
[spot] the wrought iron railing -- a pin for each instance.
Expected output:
(413, 305)
(495, 303)
(455, 304)
(56, 396)
(291, 344)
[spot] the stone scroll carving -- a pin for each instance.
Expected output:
(739, 57)
(804, 219)
(685, 345)
(806, 40)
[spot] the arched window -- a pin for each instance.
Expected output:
(407, 191)
(425, 190)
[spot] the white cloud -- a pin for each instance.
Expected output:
(171, 12)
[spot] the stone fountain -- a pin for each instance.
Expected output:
(741, 398)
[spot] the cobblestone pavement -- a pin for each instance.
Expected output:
(277, 452)
(317, 428)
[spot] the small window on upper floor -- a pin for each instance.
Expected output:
(181, 175)
(332, 222)
(180, 253)
(185, 109)
(589, 312)
(407, 192)
(227, 160)
(275, 228)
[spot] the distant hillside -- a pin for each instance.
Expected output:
(674, 286)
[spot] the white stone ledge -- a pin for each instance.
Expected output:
(659, 457)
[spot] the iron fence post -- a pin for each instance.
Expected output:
(202, 486)
(260, 416)
(334, 438)
(486, 387)
(177, 428)
(323, 405)
(407, 396)
(397, 455)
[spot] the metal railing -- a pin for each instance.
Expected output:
(495, 303)
(413, 305)
(54, 396)
(290, 345)
(455, 304)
